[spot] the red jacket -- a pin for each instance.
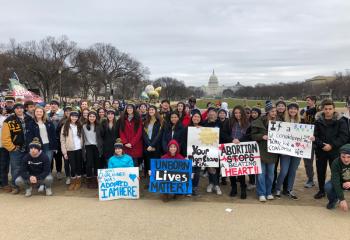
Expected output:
(204, 115)
(132, 137)
(177, 155)
(186, 120)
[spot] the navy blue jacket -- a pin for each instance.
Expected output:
(33, 131)
(179, 136)
(155, 139)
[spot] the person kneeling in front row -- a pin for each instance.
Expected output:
(340, 179)
(36, 170)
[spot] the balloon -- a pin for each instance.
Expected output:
(149, 88)
(158, 90)
(144, 95)
(153, 94)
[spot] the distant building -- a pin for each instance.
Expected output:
(213, 89)
(320, 80)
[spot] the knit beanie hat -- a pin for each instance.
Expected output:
(118, 144)
(293, 105)
(35, 144)
(256, 109)
(281, 102)
(268, 106)
(345, 149)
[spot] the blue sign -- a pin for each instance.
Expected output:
(171, 176)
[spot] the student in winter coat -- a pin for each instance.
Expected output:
(143, 109)
(259, 133)
(93, 149)
(71, 146)
(340, 180)
(152, 134)
(330, 134)
(235, 130)
(14, 140)
(36, 170)
(214, 173)
(172, 153)
(109, 133)
(289, 164)
(131, 133)
(120, 159)
(346, 118)
(59, 155)
(173, 130)
(44, 130)
(196, 121)
(4, 157)
(308, 117)
(184, 117)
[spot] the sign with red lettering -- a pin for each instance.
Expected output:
(239, 159)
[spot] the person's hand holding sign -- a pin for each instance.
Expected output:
(128, 145)
(344, 206)
(236, 141)
(346, 185)
(312, 138)
(265, 137)
(327, 147)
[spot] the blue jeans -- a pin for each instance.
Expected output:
(331, 195)
(47, 151)
(16, 163)
(289, 165)
(265, 179)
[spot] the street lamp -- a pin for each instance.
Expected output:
(59, 73)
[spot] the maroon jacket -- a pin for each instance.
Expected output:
(128, 135)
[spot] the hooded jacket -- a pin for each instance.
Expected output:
(346, 119)
(333, 132)
(177, 155)
(122, 161)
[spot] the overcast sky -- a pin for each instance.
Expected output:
(251, 41)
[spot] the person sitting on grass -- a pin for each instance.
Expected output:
(340, 179)
(36, 170)
(120, 159)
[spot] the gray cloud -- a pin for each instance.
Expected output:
(251, 41)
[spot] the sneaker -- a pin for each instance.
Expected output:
(28, 192)
(262, 198)
(194, 193)
(15, 191)
(48, 192)
(250, 187)
(270, 197)
(292, 196)
(319, 195)
(59, 176)
(217, 190)
(309, 184)
(67, 180)
(332, 205)
(41, 188)
(210, 188)
(278, 194)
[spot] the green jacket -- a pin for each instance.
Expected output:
(259, 129)
(340, 174)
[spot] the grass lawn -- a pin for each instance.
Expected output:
(201, 103)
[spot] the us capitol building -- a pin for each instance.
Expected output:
(214, 90)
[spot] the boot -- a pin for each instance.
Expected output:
(89, 182)
(72, 184)
(94, 183)
(243, 193)
(77, 184)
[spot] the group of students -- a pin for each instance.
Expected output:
(118, 135)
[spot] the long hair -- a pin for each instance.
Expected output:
(200, 122)
(244, 121)
(157, 116)
(287, 117)
(88, 124)
(44, 114)
(136, 118)
(183, 113)
(67, 126)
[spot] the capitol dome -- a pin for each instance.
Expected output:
(213, 80)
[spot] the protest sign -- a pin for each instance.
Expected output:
(291, 139)
(171, 176)
(239, 159)
(116, 183)
(202, 146)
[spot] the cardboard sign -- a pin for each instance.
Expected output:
(117, 183)
(240, 159)
(171, 176)
(202, 146)
(291, 139)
